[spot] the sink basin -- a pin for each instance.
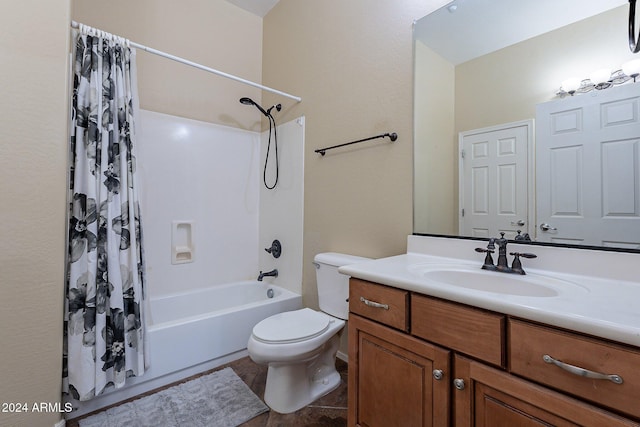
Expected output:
(473, 277)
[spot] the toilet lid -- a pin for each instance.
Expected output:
(292, 326)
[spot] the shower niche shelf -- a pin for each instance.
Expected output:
(182, 250)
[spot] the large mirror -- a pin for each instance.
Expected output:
(486, 67)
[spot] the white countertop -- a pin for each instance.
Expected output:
(597, 305)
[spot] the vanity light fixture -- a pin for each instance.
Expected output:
(600, 79)
(632, 68)
(571, 85)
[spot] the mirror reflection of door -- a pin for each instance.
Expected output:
(495, 180)
(588, 168)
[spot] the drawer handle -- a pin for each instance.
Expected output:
(581, 372)
(374, 304)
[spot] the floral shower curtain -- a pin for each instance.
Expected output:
(104, 319)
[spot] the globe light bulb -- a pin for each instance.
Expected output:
(570, 85)
(600, 78)
(632, 68)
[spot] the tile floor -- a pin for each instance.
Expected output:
(328, 411)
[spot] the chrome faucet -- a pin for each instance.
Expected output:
(272, 273)
(502, 264)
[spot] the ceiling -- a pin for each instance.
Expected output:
(257, 7)
(471, 29)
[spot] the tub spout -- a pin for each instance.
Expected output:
(272, 273)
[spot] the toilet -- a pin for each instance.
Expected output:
(300, 346)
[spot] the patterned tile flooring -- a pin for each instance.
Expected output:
(328, 411)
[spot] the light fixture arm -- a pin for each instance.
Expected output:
(634, 41)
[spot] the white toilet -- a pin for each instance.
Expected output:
(300, 346)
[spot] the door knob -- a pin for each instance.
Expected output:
(519, 222)
(438, 374)
(546, 227)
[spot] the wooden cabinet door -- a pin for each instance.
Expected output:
(493, 398)
(391, 378)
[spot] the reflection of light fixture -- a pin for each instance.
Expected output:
(600, 79)
(452, 8)
(632, 68)
(571, 85)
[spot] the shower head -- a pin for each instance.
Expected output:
(249, 101)
(278, 107)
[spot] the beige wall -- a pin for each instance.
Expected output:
(351, 62)
(33, 139)
(213, 33)
(434, 138)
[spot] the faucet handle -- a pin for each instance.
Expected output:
(481, 250)
(516, 265)
(488, 260)
(275, 249)
(523, 255)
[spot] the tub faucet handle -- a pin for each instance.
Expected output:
(275, 249)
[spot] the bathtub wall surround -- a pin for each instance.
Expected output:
(203, 174)
(194, 331)
(203, 194)
(282, 209)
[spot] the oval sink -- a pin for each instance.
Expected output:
(471, 277)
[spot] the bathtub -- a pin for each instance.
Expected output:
(192, 332)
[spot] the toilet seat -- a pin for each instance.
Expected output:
(292, 326)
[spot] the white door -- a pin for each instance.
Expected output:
(588, 168)
(495, 180)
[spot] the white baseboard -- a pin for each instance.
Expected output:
(61, 423)
(343, 356)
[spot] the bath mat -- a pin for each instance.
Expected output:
(220, 399)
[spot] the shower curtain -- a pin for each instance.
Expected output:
(104, 290)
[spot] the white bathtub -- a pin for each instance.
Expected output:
(191, 332)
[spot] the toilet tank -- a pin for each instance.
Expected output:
(333, 287)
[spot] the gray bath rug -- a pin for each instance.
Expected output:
(220, 399)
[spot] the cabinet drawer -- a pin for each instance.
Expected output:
(531, 344)
(468, 330)
(380, 303)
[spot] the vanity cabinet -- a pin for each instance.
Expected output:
(441, 363)
(489, 397)
(394, 379)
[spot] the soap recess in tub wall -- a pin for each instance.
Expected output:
(182, 249)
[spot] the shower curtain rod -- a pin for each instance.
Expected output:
(75, 24)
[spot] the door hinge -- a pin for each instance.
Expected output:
(462, 212)
(462, 153)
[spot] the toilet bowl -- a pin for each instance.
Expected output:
(299, 347)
